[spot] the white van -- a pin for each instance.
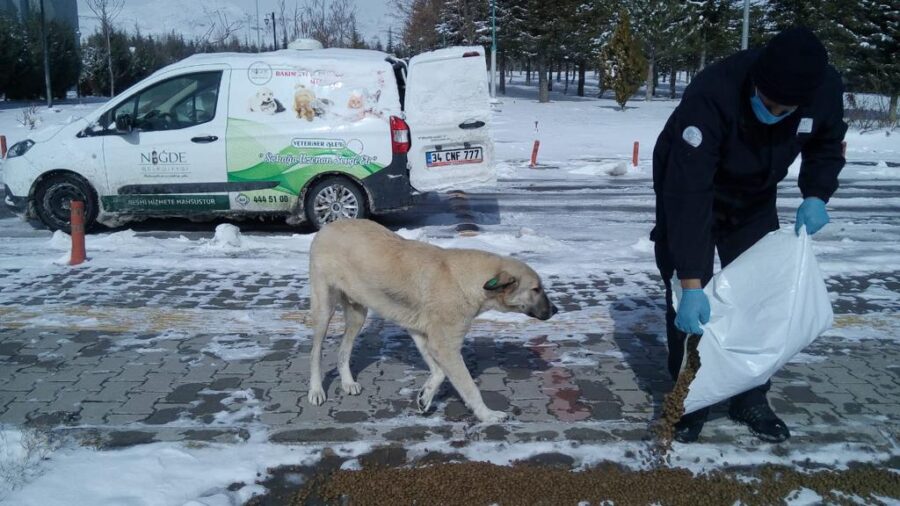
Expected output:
(312, 135)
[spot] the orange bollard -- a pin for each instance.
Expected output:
(2, 146)
(634, 154)
(534, 152)
(77, 226)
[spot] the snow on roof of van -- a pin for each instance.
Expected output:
(448, 53)
(289, 56)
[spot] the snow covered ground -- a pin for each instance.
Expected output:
(595, 222)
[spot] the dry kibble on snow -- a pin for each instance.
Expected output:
(673, 405)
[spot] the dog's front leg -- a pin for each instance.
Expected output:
(446, 350)
(426, 394)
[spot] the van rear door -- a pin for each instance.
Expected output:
(448, 111)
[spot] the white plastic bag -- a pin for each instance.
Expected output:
(766, 306)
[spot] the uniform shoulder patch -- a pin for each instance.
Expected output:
(805, 126)
(692, 136)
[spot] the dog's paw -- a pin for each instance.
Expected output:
(423, 400)
(491, 416)
(351, 388)
(317, 397)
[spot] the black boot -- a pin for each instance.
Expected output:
(687, 430)
(762, 421)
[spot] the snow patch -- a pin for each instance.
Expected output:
(234, 348)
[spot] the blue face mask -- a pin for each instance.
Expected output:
(762, 112)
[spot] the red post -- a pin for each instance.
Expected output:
(77, 226)
(534, 152)
(634, 154)
(2, 146)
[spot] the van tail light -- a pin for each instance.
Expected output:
(2, 146)
(399, 136)
(470, 54)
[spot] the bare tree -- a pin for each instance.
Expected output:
(220, 30)
(107, 11)
(282, 8)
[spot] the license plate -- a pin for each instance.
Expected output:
(453, 157)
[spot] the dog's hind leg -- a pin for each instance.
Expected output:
(354, 318)
(322, 303)
(446, 350)
(426, 394)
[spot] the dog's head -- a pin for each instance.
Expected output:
(516, 288)
(264, 95)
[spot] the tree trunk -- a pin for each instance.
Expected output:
(543, 90)
(673, 76)
(528, 72)
(581, 78)
(703, 55)
(502, 64)
(558, 72)
(112, 82)
(550, 77)
(651, 64)
(566, 89)
(892, 114)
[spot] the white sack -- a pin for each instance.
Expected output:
(766, 306)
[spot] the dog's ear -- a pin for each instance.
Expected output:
(501, 281)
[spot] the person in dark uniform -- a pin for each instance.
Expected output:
(716, 164)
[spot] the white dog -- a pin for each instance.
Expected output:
(264, 101)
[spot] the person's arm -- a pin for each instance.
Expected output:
(823, 154)
(687, 192)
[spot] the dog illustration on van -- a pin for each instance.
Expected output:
(264, 101)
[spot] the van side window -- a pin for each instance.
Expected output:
(179, 102)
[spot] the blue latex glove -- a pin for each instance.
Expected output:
(693, 309)
(811, 213)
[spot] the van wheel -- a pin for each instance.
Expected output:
(332, 199)
(53, 197)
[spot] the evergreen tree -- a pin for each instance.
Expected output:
(622, 62)
(12, 50)
(419, 33)
(659, 24)
(464, 23)
(26, 79)
(875, 68)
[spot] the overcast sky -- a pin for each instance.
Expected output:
(192, 17)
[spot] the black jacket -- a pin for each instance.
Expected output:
(734, 170)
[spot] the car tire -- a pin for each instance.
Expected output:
(53, 195)
(334, 198)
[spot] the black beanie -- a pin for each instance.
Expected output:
(790, 67)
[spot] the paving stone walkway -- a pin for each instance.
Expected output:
(130, 356)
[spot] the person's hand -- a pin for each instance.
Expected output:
(693, 310)
(811, 214)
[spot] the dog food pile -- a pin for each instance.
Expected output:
(438, 479)
(478, 483)
(673, 405)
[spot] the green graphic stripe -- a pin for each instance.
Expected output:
(292, 178)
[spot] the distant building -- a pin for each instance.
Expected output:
(61, 11)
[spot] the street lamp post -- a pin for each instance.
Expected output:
(493, 48)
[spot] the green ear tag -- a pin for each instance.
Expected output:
(492, 283)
